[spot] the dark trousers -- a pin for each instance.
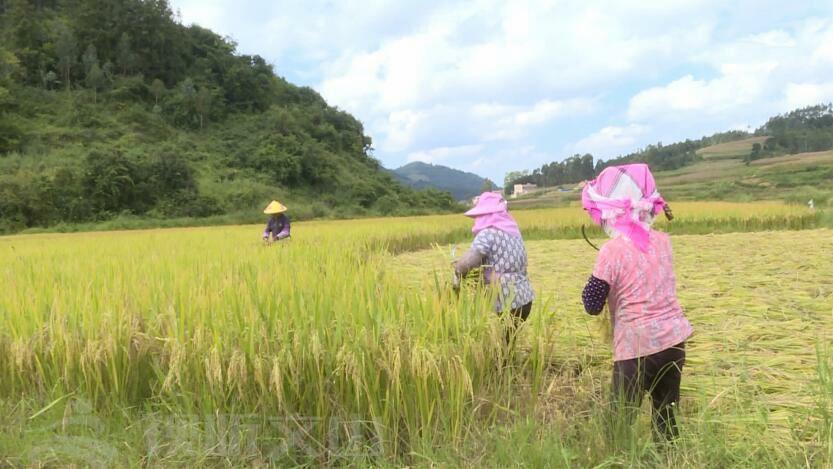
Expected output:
(519, 315)
(658, 374)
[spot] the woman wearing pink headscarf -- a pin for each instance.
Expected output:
(499, 247)
(634, 273)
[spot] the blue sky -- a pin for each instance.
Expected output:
(490, 86)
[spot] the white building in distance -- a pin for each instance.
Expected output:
(521, 189)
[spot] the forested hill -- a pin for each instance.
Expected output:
(803, 130)
(660, 157)
(460, 184)
(112, 108)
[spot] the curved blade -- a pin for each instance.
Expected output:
(583, 233)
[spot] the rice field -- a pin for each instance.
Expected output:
(344, 346)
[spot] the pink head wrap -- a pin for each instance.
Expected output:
(490, 212)
(624, 199)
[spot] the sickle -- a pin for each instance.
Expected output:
(587, 239)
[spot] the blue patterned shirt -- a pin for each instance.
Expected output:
(505, 261)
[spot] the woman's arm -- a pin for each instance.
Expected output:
(472, 259)
(595, 295)
(284, 232)
(270, 229)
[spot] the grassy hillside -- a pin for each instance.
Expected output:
(112, 110)
(805, 130)
(730, 150)
(723, 174)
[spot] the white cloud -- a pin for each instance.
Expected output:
(435, 155)
(611, 141)
(546, 110)
(401, 128)
(506, 122)
(807, 94)
(739, 84)
(823, 54)
(412, 130)
(452, 67)
(774, 38)
(206, 13)
(767, 72)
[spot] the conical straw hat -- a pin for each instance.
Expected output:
(274, 207)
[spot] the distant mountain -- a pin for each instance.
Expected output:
(460, 184)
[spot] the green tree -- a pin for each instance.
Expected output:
(488, 185)
(124, 54)
(95, 80)
(66, 48)
(9, 132)
(107, 69)
(22, 31)
(753, 155)
(109, 181)
(157, 87)
(187, 101)
(48, 79)
(388, 204)
(89, 58)
(202, 104)
(587, 167)
(9, 66)
(513, 176)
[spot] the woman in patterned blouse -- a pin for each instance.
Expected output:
(499, 248)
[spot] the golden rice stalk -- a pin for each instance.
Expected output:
(276, 381)
(237, 375)
(22, 356)
(214, 369)
(175, 363)
(260, 373)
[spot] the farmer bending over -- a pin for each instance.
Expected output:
(499, 248)
(278, 225)
(635, 274)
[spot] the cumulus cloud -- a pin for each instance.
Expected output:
(738, 84)
(435, 155)
(807, 94)
(746, 79)
(504, 69)
(611, 140)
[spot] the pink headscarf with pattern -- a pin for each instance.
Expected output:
(624, 199)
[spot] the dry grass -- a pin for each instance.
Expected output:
(801, 159)
(730, 149)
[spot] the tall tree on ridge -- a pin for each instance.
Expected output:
(125, 56)
(66, 48)
(89, 58)
(95, 79)
(156, 89)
